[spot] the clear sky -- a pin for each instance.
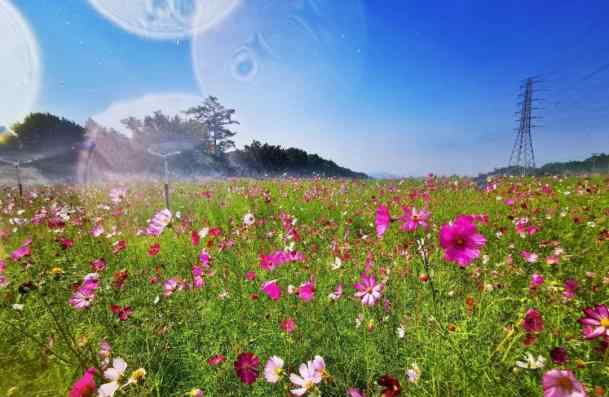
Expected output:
(400, 86)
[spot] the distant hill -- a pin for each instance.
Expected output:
(597, 163)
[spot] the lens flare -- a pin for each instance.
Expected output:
(164, 19)
(271, 56)
(20, 78)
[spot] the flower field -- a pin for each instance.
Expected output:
(435, 287)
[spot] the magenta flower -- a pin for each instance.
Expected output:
(85, 386)
(272, 289)
(216, 360)
(559, 355)
(596, 322)
(570, 289)
(306, 291)
(368, 290)
(413, 219)
(536, 280)
(279, 258)
(246, 367)
(461, 241)
(169, 287)
(21, 252)
(562, 383)
(123, 313)
(383, 220)
(197, 277)
(98, 265)
(204, 258)
(338, 292)
(533, 321)
(355, 392)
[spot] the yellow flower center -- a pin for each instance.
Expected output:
(565, 384)
(605, 322)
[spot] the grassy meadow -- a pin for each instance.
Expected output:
(336, 274)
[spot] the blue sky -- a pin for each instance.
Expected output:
(408, 87)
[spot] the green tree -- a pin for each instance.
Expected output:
(218, 120)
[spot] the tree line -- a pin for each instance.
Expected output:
(202, 137)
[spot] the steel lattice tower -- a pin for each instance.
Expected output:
(522, 158)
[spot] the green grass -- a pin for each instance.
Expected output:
(460, 351)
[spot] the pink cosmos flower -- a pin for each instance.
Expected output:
(338, 292)
(216, 360)
(98, 265)
(169, 287)
(461, 241)
(154, 249)
(118, 194)
(368, 290)
(278, 258)
(250, 276)
(97, 230)
(24, 250)
(533, 321)
(288, 325)
(562, 383)
(570, 289)
(85, 386)
(159, 222)
(595, 322)
(529, 257)
(306, 291)
(273, 369)
(204, 258)
(306, 379)
(536, 280)
(83, 297)
(197, 277)
(246, 367)
(413, 219)
(272, 289)
(382, 221)
(355, 392)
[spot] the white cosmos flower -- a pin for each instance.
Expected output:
(114, 375)
(530, 362)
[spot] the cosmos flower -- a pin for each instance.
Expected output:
(272, 289)
(533, 321)
(562, 383)
(461, 241)
(158, 223)
(570, 289)
(529, 257)
(196, 393)
(197, 277)
(531, 362)
(204, 258)
(413, 219)
(249, 219)
(123, 313)
(288, 325)
(85, 386)
(337, 293)
(595, 322)
(413, 374)
(391, 386)
(118, 194)
(273, 369)
(368, 290)
(83, 297)
(536, 280)
(382, 221)
(306, 291)
(559, 355)
(216, 360)
(114, 375)
(169, 287)
(355, 392)
(246, 367)
(306, 379)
